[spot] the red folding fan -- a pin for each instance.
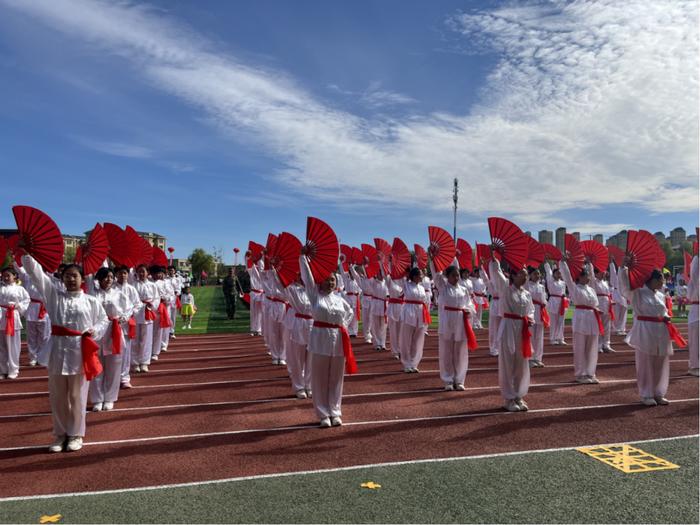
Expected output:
(40, 236)
(15, 250)
(660, 254)
(400, 258)
(322, 249)
(643, 256)
(695, 247)
(92, 253)
(575, 259)
(551, 252)
(120, 252)
(384, 252)
(3, 249)
(535, 253)
(286, 258)
(357, 256)
(255, 250)
(509, 241)
(143, 251)
(483, 254)
(346, 256)
(421, 256)
(596, 253)
(270, 248)
(464, 254)
(441, 248)
(370, 260)
(687, 261)
(615, 254)
(158, 257)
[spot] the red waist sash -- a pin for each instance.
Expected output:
(164, 316)
(116, 335)
(468, 330)
(673, 332)
(598, 318)
(10, 322)
(88, 348)
(148, 313)
(669, 306)
(396, 300)
(42, 308)
(426, 311)
(132, 327)
(563, 303)
(302, 316)
(350, 363)
(544, 314)
(611, 313)
(525, 335)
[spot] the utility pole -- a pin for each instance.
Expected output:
(454, 199)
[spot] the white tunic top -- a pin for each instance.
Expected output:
(412, 314)
(451, 323)
(255, 282)
(148, 293)
(13, 294)
(603, 291)
(539, 294)
(380, 293)
(515, 301)
(584, 321)
(74, 310)
(618, 297)
(116, 305)
(32, 313)
(299, 299)
(395, 289)
(645, 336)
(693, 291)
(328, 308)
(554, 287)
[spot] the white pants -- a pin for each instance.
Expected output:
(366, 322)
(39, 340)
(10, 346)
(513, 373)
(556, 327)
(494, 323)
(68, 398)
(620, 324)
(395, 336)
(652, 374)
(379, 331)
(604, 340)
(299, 366)
(693, 344)
(255, 315)
(275, 338)
(585, 354)
(126, 358)
(327, 384)
(537, 341)
(476, 319)
(161, 337)
(412, 339)
(352, 327)
(172, 310)
(105, 387)
(454, 360)
(141, 353)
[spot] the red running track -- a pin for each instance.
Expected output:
(214, 407)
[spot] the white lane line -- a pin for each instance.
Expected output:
(338, 469)
(294, 400)
(314, 426)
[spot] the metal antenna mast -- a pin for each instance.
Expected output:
(454, 199)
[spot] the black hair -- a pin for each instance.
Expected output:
(156, 269)
(584, 273)
(414, 272)
(655, 274)
(531, 269)
(121, 268)
(449, 270)
(9, 269)
(73, 266)
(142, 266)
(171, 266)
(103, 272)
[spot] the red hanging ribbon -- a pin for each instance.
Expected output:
(148, 313)
(468, 330)
(525, 335)
(132, 328)
(544, 314)
(116, 336)
(673, 332)
(10, 321)
(42, 308)
(426, 311)
(88, 348)
(178, 303)
(350, 363)
(611, 311)
(598, 317)
(165, 321)
(669, 306)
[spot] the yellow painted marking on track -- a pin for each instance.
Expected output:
(371, 485)
(50, 519)
(628, 459)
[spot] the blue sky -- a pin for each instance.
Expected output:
(216, 122)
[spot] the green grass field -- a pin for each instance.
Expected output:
(549, 487)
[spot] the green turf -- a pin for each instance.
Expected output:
(552, 487)
(211, 314)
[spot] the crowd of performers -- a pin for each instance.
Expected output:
(130, 313)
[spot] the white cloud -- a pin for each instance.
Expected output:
(592, 103)
(117, 149)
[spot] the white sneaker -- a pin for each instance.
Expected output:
(137, 368)
(325, 423)
(173, 336)
(563, 343)
(301, 394)
(282, 362)
(522, 405)
(449, 387)
(74, 444)
(407, 370)
(107, 405)
(512, 406)
(97, 407)
(144, 368)
(582, 380)
(154, 357)
(127, 385)
(57, 445)
(336, 421)
(459, 387)
(309, 394)
(661, 401)
(649, 401)
(694, 372)
(415, 370)
(593, 380)
(32, 362)
(12, 376)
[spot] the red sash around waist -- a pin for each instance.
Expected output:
(88, 349)
(350, 363)
(426, 311)
(358, 309)
(525, 335)
(611, 313)
(468, 330)
(10, 321)
(544, 314)
(148, 313)
(255, 290)
(42, 308)
(164, 316)
(116, 336)
(397, 300)
(178, 303)
(673, 332)
(302, 316)
(669, 306)
(132, 327)
(563, 303)
(598, 318)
